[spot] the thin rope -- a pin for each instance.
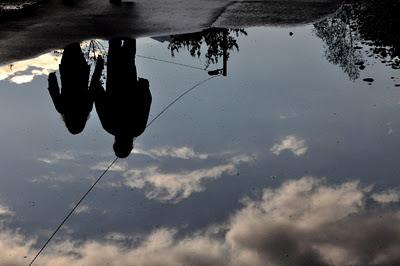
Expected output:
(110, 165)
(171, 62)
(72, 211)
(178, 98)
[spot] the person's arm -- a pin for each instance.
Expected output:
(147, 99)
(54, 91)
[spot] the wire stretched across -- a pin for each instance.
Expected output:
(108, 168)
(170, 62)
(72, 211)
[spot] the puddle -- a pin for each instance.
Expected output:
(266, 144)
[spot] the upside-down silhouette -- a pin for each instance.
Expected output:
(123, 108)
(74, 100)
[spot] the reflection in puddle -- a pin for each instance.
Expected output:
(272, 161)
(293, 224)
(362, 29)
(25, 71)
(123, 108)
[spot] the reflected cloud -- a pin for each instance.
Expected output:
(292, 143)
(302, 222)
(174, 186)
(25, 71)
(183, 152)
(21, 79)
(388, 196)
(116, 167)
(82, 209)
(56, 157)
(5, 211)
(54, 178)
(119, 237)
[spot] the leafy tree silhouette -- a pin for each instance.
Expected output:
(372, 26)
(341, 41)
(214, 40)
(378, 22)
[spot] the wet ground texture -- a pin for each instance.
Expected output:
(11, 9)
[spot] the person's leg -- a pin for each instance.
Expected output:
(71, 54)
(71, 66)
(130, 53)
(130, 47)
(113, 63)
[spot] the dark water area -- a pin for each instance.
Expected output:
(264, 146)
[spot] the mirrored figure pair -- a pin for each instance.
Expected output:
(123, 107)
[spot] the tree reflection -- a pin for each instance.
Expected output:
(370, 26)
(217, 40)
(378, 22)
(341, 41)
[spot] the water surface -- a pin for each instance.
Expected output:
(291, 158)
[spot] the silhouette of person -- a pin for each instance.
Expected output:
(74, 101)
(124, 107)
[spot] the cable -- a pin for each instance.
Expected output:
(178, 98)
(72, 211)
(171, 62)
(109, 166)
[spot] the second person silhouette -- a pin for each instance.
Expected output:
(124, 106)
(74, 100)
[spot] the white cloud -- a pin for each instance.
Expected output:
(291, 143)
(173, 186)
(303, 222)
(82, 209)
(24, 71)
(183, 152)
(309, 202)
(116, 236)
(243, 158)
(388, 196)
(5, 211)
(116, 167)
(54, 178)
(55, 157)
(21, 79)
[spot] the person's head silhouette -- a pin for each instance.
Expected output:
(75, 123)
(123, 146)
